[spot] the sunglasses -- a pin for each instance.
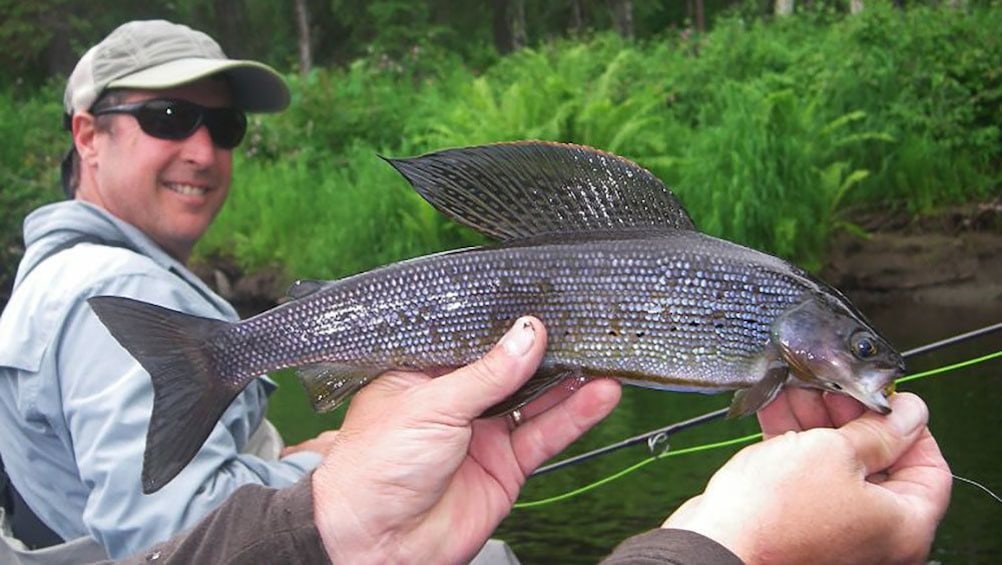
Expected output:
(179, 119)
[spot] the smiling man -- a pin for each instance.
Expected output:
(155, 110)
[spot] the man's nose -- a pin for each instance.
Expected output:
(199, 148)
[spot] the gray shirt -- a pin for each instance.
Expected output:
(74, 405)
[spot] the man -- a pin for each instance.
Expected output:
(155, 111)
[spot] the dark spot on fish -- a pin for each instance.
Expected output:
(614, 333)
(674, 328)
(641, 334)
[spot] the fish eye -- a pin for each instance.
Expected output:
(863, 346)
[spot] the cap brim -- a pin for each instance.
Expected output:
(256, 87)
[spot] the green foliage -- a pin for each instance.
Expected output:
(769, 130)
(327, 216)
(23, 42)
(29, 167)
(764, 170)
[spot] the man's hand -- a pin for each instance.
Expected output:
(415, 476)
(319, 444)
(871, 490)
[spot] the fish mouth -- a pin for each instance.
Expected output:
(876, 401)
(875, 398)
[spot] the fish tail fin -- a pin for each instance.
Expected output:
(189, 394)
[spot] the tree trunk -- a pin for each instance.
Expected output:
(577, 21)
(622, 17)
(509, 25)
(231, 26)
(303, 27)
(784, 7)
(855, 6)
(516, 20)
(700, 18)
(60, 56)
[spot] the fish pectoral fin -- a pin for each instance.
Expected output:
(330, 384)
(750, 400)
(541, 382)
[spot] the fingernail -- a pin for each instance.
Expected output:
(908, 415)
(518, 341)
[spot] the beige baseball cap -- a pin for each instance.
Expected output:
(158, 54)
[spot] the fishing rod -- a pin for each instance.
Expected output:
(655, 437)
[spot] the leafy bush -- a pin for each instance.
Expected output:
(769, 130)
(326, 216)
(29, 167)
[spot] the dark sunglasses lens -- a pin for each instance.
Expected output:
(226, 126)
(168, 119)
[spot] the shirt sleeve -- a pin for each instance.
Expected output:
(671, 547)
(107, 398)
(255, 525)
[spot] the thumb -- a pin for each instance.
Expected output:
(879, 440)
(468, 391)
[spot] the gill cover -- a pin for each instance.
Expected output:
(830, 346)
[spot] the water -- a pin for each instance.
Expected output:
(965, 418)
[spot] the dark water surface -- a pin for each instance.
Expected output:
(966, 418)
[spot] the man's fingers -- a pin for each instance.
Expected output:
(878, 440)
(843, 409)
(795, 409)
(470, 390)
(924, 476)
(777, 417)
(546, 434)
(809, 408)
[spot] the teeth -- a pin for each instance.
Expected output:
(186, 189)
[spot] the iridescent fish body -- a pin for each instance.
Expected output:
(592, 244)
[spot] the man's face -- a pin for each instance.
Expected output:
(169, 189)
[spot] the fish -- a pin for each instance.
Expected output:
(594, 245)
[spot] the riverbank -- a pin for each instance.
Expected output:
(950, 259)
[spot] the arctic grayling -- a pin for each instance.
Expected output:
(592, 244)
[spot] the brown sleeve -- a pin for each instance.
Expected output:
(671, 547)
(256, 524)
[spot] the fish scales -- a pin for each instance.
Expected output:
(594, 245)
(686, 308)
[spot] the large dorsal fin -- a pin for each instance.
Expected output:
(523, 189)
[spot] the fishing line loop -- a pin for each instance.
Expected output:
(655, 440)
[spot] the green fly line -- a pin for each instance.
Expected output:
(726, 443)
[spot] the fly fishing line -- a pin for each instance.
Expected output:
(741, 440)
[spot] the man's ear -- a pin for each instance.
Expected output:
(84, 135)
